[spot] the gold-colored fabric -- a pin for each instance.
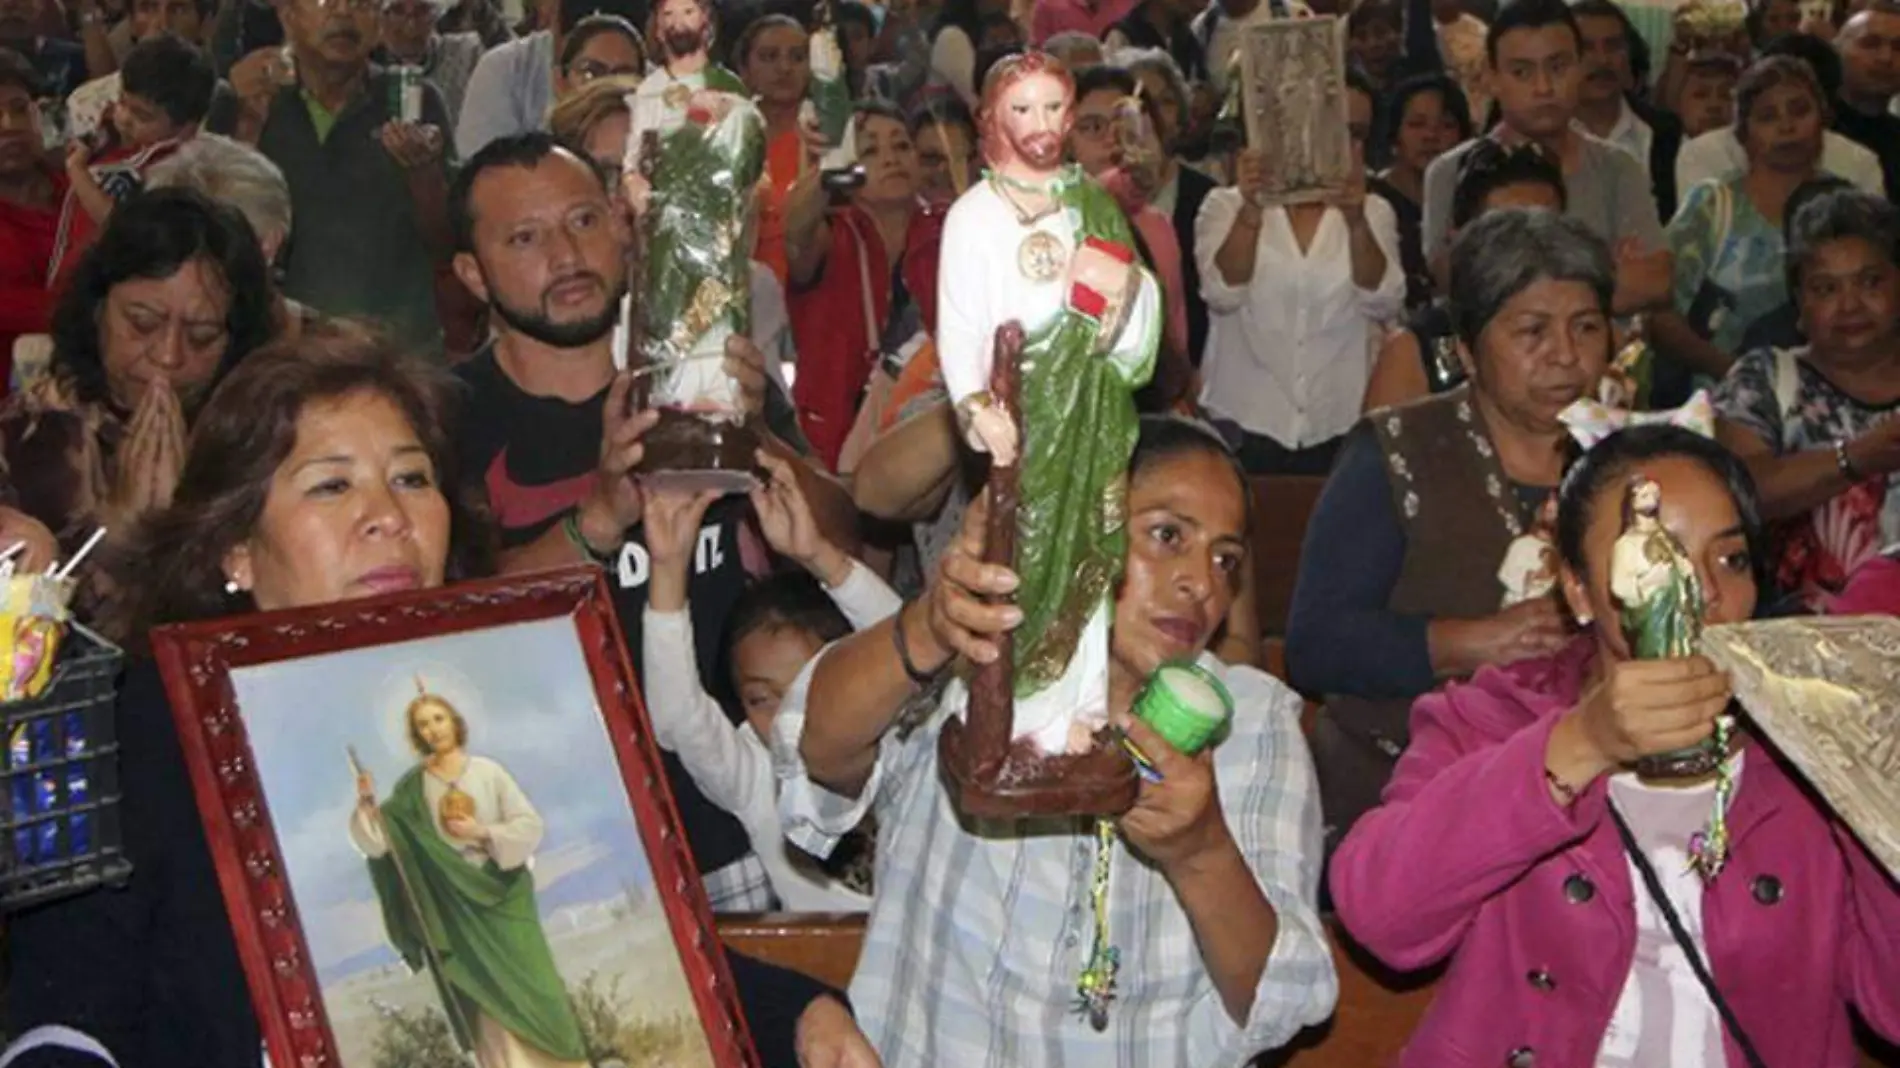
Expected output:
(1826, 691)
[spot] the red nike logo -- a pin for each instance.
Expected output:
(517, 507)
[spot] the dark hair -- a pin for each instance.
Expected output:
(852, 11)
(171, 570)
(1165, 436)
(742, 45)
(1616, 456)
(999, 18)
(1103, 78)
(17, 72)
(525, 150)
(173, 74)
(1371, 13)
(1632, 40)
(1357, 82)
(1767, 73)
(865, 110)
(1757, 14)
(593, 26)
(948, 110)
(152, 235)
(415, 736)
(787, 599)
(1418, 85)
(577, 13)
(1516, 15)
(1834, 215)
(1819, 55)
(962, 15)
(1714, 65)
(988, 57)
(1502, 253)
(1489, 167)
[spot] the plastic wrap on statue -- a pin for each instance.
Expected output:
(701, 150)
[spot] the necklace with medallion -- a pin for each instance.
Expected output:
(1040, 257)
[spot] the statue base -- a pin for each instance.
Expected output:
(1029, 783)
(689, 453)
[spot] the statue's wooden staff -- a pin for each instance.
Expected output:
(987, 774)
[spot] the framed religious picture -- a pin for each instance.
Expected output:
(443, 834)
(1293, 96)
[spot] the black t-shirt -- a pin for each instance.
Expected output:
(535, 458)
(150, 970)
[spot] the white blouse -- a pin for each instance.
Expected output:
(1290, 351)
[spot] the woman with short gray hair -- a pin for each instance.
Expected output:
(232, 172)
(1400, 584)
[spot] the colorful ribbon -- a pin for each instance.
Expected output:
(1591, 421)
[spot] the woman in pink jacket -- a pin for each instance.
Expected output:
(1574, 942)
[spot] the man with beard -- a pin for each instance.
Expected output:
(30, 195)
(549, 428)
(1042, 244)
(61, 65)
(1607, 104)
(368, 189)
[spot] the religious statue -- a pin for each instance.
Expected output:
(695, 153)
(1654, 581)
(1529, 570)
(827, 108)
(449, 853)
(1041, 248)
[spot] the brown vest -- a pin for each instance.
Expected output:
(1459, 514)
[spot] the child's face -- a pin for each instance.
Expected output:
(1708, 103)
(141, 122)
(764, 665)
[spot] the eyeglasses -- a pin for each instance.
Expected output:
(582, 71)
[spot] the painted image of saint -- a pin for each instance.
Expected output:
(449, 853)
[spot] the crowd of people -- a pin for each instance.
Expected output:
(310, 300)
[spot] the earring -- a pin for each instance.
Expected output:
(1583, 620)
(231, 587)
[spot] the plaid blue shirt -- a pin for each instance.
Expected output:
(977, 936)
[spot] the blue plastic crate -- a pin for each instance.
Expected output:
(59, 780)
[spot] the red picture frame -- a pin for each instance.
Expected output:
(196, 660)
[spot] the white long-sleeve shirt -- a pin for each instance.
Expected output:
(731, 764)
(1290, 350)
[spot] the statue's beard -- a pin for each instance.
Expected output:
(682, 42)
(1039, 150)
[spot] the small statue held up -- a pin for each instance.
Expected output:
(1661, 604)
(1654, 581)
(695, 152)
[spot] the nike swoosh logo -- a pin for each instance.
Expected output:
(518, 507)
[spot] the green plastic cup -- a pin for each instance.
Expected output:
(1186, 704)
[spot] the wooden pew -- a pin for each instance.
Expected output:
(1282, 504)
(823, 945)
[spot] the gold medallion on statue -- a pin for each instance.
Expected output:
(1040, 257)
(676, 96)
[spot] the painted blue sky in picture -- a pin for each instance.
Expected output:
(525, 692)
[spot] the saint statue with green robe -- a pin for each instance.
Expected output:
(696, 271)
(1042, 244)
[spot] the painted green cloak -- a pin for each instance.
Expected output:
(1079, 428)
(480, 924)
